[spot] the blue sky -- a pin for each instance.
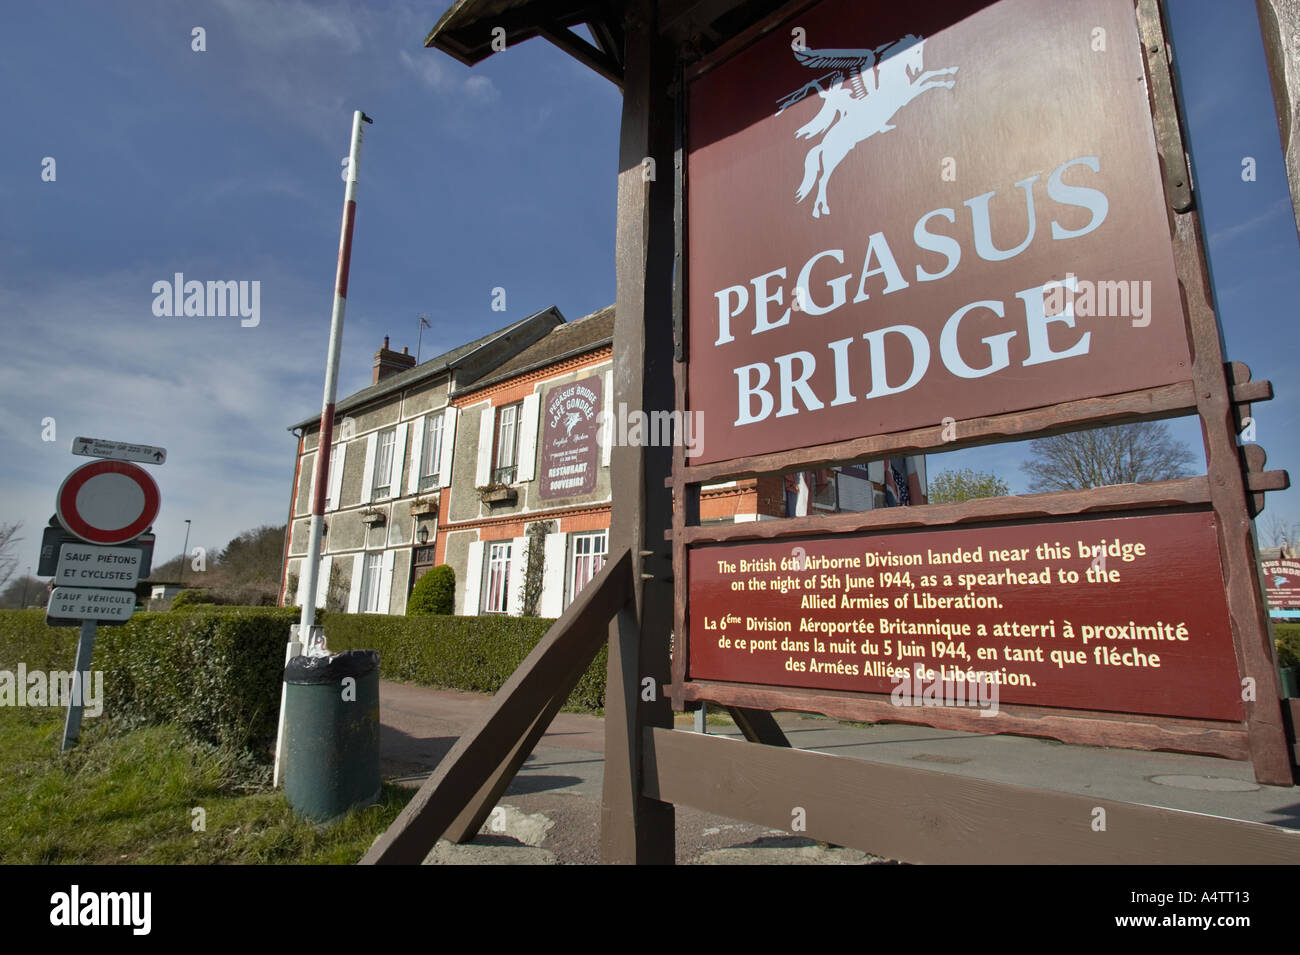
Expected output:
(224, 165)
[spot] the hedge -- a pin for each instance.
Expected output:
(463, 653)
(214, 672)
(1287, 636)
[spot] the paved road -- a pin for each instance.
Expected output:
(551, 813)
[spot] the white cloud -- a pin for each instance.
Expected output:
(293, 24)
(91, 355)
(433, 70)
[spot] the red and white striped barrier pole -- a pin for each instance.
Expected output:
(309, 577)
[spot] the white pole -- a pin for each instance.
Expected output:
(311, 563)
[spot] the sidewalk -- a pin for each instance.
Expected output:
(551, 812)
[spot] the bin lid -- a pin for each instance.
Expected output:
(331, 669)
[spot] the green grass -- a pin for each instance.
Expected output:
(127, 795)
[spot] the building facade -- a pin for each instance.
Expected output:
(492, 459)
(388, 482)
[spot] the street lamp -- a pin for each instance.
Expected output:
(185, 551)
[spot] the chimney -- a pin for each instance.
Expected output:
(388, 362)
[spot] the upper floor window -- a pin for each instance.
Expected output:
(507, 461)
(383, 476)
(429, 476)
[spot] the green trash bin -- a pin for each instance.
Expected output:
(331, 733)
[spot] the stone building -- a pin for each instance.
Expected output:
(394, 447)
(492, 459)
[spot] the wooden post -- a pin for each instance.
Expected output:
(635, 829)
(1279, 22)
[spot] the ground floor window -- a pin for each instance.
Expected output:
(373, 570)
(498, 577)
(587, 558)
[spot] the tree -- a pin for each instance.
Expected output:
(1123, 454)
(25, 591)
(9, 540)
(965, 484)
(1281, 533)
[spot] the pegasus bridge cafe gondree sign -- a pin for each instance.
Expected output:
(897, 219)
(936, 221)
(569, 439)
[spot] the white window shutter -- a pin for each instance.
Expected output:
(528, 438)
(418, 427)
(337, 458)
(486, 427)
(608, 411)
(368, 477)
(399, 452)
(386, 582)
(518, 574)
(323, 581)
(448, 441)
(473, 579)
(354, 591)
(552, 602)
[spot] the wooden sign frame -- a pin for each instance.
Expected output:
(640, 598)
(1232, 489)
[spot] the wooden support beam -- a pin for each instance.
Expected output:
(1165, 401)
(582, 51)
(467, 771)
(758, 726)
(924, 816)
(1256, 658)
(1086, 727)
(466, 826)
(1180, 492)
(635, 829)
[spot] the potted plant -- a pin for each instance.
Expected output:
(422, 506)
(498, 493)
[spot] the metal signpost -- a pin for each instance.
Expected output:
(97, 549)
(306, 636)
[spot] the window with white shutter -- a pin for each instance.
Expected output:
(431, 466)
(589, 552)
(383, 476)
(497, 586)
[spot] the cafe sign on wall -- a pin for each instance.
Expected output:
(570, 453)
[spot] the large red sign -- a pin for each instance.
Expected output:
(901, 213)
(1123, 614)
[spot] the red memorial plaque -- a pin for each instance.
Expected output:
(1141, 628)
(915, 212)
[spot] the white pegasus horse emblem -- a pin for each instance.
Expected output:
(862, 93)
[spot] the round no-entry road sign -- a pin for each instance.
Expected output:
(107, 502)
